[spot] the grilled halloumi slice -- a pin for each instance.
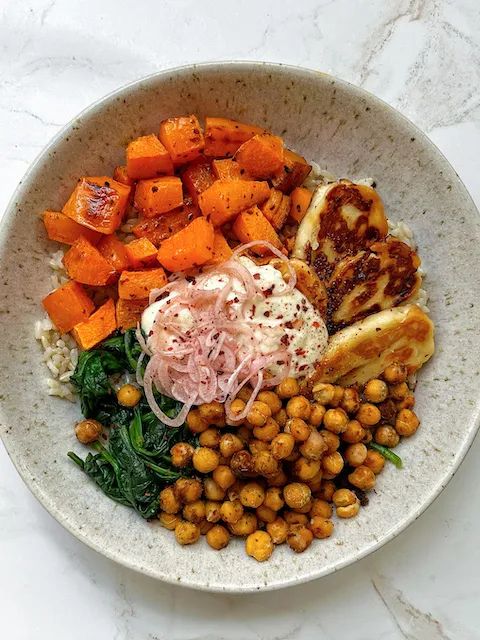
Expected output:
(308, 282)
(343, 218)
(363, 350)
(381, 277)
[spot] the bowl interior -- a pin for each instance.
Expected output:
(349, 133)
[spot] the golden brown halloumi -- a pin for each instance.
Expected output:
(378, 278)
(363, 350)
(343, 218)
(308, 282)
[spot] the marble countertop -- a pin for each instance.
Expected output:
(421, 56)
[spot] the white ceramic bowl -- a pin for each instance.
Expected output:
(348, 132)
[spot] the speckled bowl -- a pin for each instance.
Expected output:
(348, 132)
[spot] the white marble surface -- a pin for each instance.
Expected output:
(422, 56)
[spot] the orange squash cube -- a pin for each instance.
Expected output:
(114, 251)
(183, 138)
(158, 195)
(141, 252)
(136, 285)
(252, 225)
(68, 305)
(147, 158)
(61, 228)
(99, 326)
(84, 263)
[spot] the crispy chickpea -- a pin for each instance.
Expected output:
(223, 476)
(278, 530)
(128, 395)
(181, 454)
(212, 511)
(256, 446)
(321, 527)
(188, 489)
(195, 422)
(320, 508)
(293, 518)
(327, 490)
(168, 520)
(362, 477)
(299, 538)
(395, 373)
(187, 532)
(213, 413)
(332, 441)
(218, 537)
(305, 509)
(278, 479)
(212, 490)
(258, 414)
(399, 391)
(252, 495)
(368, 414)
(374, 461)
(282, 445)
(355, 454)
(296, 495)
(205, 460)
(354, 432)
(230, 444)
(335, 420)
(299, 407)
(314, 446)
(343, 497)
(244, 433)
(274, 498)
(368, 437)
(265, 464)
(407, 403)
(375, 390)
(298, 428)
(386, 436)
(351, 400)
(88, 431)
(245, 525)
(406, 423)
(348, 511)
(338, 392)
(272, 399)
(194, 511)
(323, 392)
(316, 482)
(268, 432)
(237, 406)
(169, 501)
(245, 394)
(210, 438)
(333, 463)
(305, 469)
(231, 511)
(259, 545)
(241, 463)
(288, 388)
(264, 514)
(316, 415)
(281, 418)
(233, 492)
(204, 526)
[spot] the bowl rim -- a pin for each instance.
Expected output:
(35, 488)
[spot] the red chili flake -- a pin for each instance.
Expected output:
(267, 314)
(316, 324)
(256, 276)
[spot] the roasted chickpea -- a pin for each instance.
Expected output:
(256, 446)
(212, 490)
(298, 428)
(188, 489)
(305, 509)
(282, 445)
(395, 373)
(386, 436)
(204, 527)
(231, 511)
(88, 431)
(335, 420)
(305, 469)
(354, 432)
(195, 422)
(244, 433)
(299, 407)
(316, 415)
(338, 392)
(296, 495)
(274, 498)
(212, 511)
(323, 393)
(316, 482)
(187, 532)
(252, 495)
(272, 399)
(321, 527)
(233, 492)
(278, 530)
(258, 414)
(237, 406)
(374, 461)
(244, 394)
(293, 518)
(230, 444)
(314, 446)
(407, 403)
(245, 525)
(213, 413)
(368, 437)
(288, 388)
(343, 497)
(355, 454)
(264, 514)
(332, 441)
(241, 463)
(320, 508)
(375, 390)
(268, 432)
(362, 477)
(169, 501)
(368, 414)
(399, 391)
(278, 479)
(333, 463)
(327, 490)
(406, 423)
(181, 454)
(205, 460)
(299, 538)
(265, 464)
(194, 511)
(349, 511)
(210, 438)
(259, 545)
(168, 520)
(218, 537)
(281, 418)
(223, 476)
(128, 395)
(351, 400)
